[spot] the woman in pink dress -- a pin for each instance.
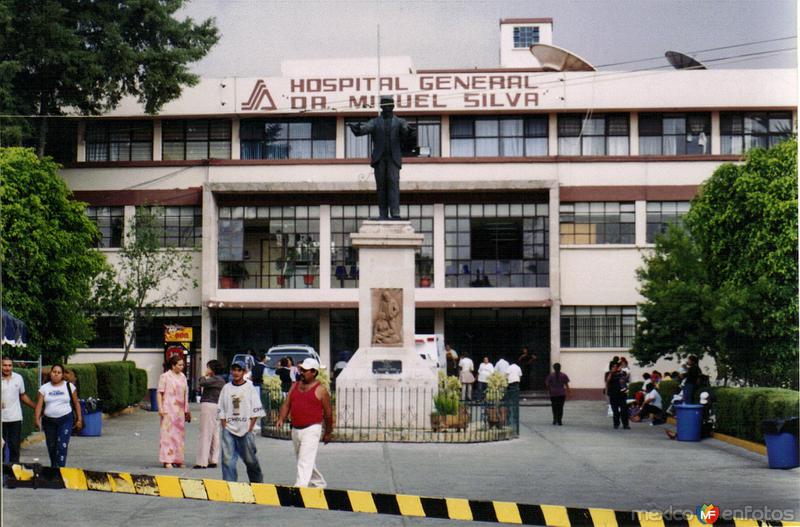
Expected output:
(173, 407)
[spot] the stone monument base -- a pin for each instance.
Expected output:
(371, 392)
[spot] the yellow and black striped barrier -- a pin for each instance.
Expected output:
(37, 476)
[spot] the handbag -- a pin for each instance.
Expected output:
(75, 426)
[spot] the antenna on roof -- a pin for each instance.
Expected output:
(682, 61)
(554, 58)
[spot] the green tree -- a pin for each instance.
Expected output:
(729, 286)
(47, 254)
(146, 275)
(69, 55)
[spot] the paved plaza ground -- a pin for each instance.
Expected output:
(585, 463)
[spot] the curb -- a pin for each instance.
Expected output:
(37, 476)
(758, 448)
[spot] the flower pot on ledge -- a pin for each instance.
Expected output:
(425, 281)
(228, 282)
(309, 279)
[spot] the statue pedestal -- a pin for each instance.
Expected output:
(386, 383)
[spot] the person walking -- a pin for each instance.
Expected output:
(466, 376)
(58, 399)
(238, 410)
(484, 370)
(208, 441)
(617, 391)
(308, 406)
(557, 384)
(13, 395)
(173, 408)
(285, 375)
(514, 375)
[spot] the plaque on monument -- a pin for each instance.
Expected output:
(387, 317)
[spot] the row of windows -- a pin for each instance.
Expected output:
(175, 226)
(581, 326)
(578, 135)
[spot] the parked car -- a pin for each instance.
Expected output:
(297, 352)
(248, 361)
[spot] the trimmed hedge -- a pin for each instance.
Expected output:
(85, 379)
(138, 386)
(31, 390)
(113, 385)
(741, 411)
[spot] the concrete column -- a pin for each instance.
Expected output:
(157, 142)
(716, 141)
(209, 281)
(340, 133)
(634, 134)
(641, 223)
(445, 137)
(208, 349)
(555, 276)
(236, 148)
(325, 339)
(438, 246)
(438, 321)
(81, 153)
(552, 134)
(324, 246)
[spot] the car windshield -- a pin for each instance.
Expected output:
(297, 356)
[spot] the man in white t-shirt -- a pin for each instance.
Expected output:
(514, 375)
(652, 405)
(501, 365)
(238, 409)
(13, 394)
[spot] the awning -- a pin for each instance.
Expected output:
(14, 331)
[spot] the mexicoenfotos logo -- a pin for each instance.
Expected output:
(707, 513)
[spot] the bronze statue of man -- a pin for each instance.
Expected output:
(388, 133)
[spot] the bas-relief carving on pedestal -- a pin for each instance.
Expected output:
(387, 317)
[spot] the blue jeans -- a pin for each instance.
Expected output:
(512, 398)
(234, 447)
(57, 432)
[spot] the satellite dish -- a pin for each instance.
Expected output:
(553, 58)
(682, 61)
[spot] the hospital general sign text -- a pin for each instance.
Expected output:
(432, 92)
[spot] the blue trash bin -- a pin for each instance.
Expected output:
(690, 419)
(153, 399)
(92, 422)
(781, 436)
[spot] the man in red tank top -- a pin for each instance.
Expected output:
(308, 404)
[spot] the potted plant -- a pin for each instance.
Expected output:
(309, 251)
(495, 391)
(447, 404)
(286, 266)
(232, 274)
(272, 398)
(425, 266)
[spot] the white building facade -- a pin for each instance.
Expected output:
(538, 194)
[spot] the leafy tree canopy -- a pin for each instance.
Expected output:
(728, 286)
(47, 254)
(70, 54)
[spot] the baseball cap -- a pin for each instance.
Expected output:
(309, 364)
(238, 364)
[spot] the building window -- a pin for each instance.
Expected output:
(119, 141)
(196, 139)
(498, 136)
(428, 136)
(525, 36)
(110, 222)
(177, 226)
(150, 328)
(109, 332)
(674, 134)
(661, 214)
(597, 222)
(593, 135)
(496, 245)
(346, 219)
(741, 131)
(288, 139)
(269, 247)
(597, 327)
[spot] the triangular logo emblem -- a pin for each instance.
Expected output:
(260, 95)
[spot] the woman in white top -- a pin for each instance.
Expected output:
(466, 377)
(484, 370)
(58, 398)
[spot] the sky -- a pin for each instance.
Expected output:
(256, 35)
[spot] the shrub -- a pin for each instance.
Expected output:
(272, 396)
(496, 387)
(741, 411)
(139, 378)
(85, 379)
(31, 390)
(113, 385)
(446, 400)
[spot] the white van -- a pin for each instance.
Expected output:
(431, 348)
